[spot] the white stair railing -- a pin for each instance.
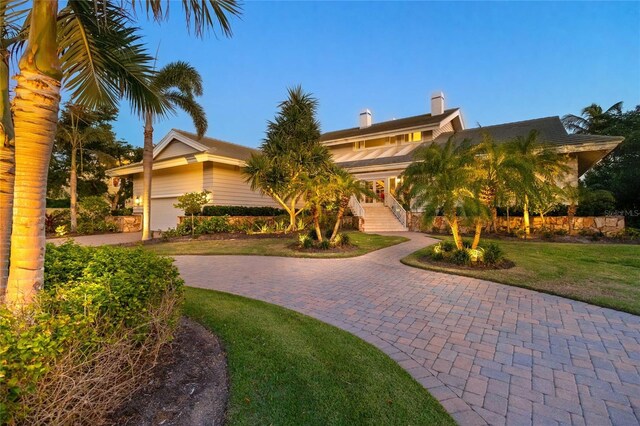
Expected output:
(396, 208)
(355, 206)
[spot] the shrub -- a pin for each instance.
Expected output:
(94, 208)
(447, 246)
(55, 219)
(241, 211)
(324, 245)
(97, 325)
(304, 241)
(125, 211)
(86, 226)
(460, 257)
(213, 225)
(493, 254)
(62, 203)
(344, 239)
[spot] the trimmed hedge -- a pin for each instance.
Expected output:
(241, 211)
(62, 203)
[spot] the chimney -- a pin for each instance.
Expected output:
(365, 119)
(437, 103)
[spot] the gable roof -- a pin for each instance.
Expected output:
(220, 147)
(550, 130)
(389, 126)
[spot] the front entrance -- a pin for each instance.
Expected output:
(381, 187)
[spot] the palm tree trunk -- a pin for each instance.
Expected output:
(339, 217)
(7, 168)
(508, 221)
(292, 215)
(147, 170)
(316, 222)
(476, 236)
(525, 218)
(455, 231)
(571, 212)
(73, 190)
(35, 106)
(494, 218)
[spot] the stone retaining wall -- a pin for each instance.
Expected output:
(608, 225)
(126, 223)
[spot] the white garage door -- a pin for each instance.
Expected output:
(163, 214)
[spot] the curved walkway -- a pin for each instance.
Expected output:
(492, 354)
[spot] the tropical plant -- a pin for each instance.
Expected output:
(192, 204)
(440, 180)
(592, 119)
(570, 194)
(93, 45)
(344, 185)
(536, 165)
(291, 156)
(177, 84)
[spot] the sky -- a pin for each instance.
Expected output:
(497, 61)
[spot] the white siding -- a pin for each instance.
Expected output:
(174, 149)
(171, 182)
(230, 189)
(444, 129)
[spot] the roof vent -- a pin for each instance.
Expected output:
(365, 119)
(437, 103)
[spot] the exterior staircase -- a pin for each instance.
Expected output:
(380, 218)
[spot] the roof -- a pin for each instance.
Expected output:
(220, 147)
(550, 131)
(388, 126)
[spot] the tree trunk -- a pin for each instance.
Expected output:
(193, 227)
(476, 236)
(571, 212)
(336, 227)
(508, 221)
(525, 218)
(292, 216)
(35, 106)
(73, 190)
(494, 218)
(316, 222)
(453, 223)
(147, 170)
(7, 168)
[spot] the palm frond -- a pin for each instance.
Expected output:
(103, 57)
(180, 75)
(191, 107)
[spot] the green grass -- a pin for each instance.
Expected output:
(364, 243)
(289, 369)
(602, 274)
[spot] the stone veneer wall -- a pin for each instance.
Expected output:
(608, 225)
(126, 223)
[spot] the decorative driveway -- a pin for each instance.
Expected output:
(492, 354)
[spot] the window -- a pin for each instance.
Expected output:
(370, 143)
(414, 137)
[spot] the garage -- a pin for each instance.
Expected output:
(163, 214)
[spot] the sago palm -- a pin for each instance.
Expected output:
(177, 84)
(441, 180)
(91, 49)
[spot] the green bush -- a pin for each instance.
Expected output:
(125, 211)
(63, 203)
(447, 246)
(241, 211)
(493, 254)
(94, 208)
(213, 225)
(324, 245)
(86, 226)
(92, 299)
(304, 241)
(56, 218)
(461, 257)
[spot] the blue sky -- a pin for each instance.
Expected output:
(497, 61)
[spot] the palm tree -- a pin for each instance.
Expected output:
(344, 186)
(571, 195)
(592, 119)
(99, 54)
(441, 179)
(535, 165)
(177, 84)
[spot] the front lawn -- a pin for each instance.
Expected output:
(364, 243)
(602, 274)
(289, 369)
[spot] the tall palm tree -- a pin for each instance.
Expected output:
(94, 47)
(535, 165)
(177, 84)
(591, 119)
(441, 180)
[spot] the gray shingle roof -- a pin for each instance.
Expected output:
(550, 131)
(220, 147)
(387, 126)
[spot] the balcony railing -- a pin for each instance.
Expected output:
(356, 207)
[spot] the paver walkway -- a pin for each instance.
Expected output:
(490, 353)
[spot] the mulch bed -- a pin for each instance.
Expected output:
(340, 249)
(189, 386)
(217, 236)
(504, 264)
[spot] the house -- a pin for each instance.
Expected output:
(377, 153)
(183, 163)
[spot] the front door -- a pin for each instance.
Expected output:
(377, 187)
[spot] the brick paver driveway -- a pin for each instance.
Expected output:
(490, 353)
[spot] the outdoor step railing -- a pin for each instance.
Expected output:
(356, 207)
(398, 211)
